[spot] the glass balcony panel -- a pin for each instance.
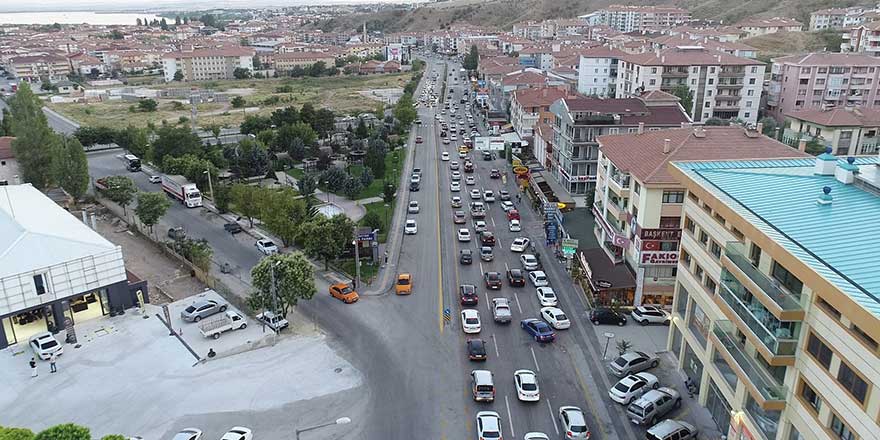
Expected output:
(737, 254)
(768, 387)
(774, 334)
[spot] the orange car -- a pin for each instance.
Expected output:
(404, 284)
(344, 292)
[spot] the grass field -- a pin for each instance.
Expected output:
(385, 213)
(340, 94)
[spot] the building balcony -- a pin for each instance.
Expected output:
(731, 73)
(616, 210)
(769, 393)
(619, 183)
(675, 73)
(728, 97)
(729, 85)
(596, 120)
(783, 304)
(777, 345)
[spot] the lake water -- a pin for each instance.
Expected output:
(74, 18)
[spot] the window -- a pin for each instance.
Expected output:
(787, 279)
(755, 255)
(828, 307)
(819, 350)
(840, 429)
(693, 197)
(752, 81)
(715, 249)
(704, 237)
(686, 258)
(750, 93)
(40, 283)
(698, 272)
(810, 396)
(673, 197)
(652, 82)
(681, 301)
(711, 81)
(636, 187)
(852, 382)
(864, 337)
(668, 246)
(653, 70)
(711, 285)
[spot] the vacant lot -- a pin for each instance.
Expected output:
(341, 94)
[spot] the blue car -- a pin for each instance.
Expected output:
(538, 329)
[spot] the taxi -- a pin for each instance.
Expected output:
(404, 284)
(344, 292)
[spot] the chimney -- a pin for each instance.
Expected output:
(825, 199)
(641, 127)
(663, 59)
(657, 51)
(846, 173)
(802, 145)
(825, 163)
(760, 128)
(667, 146)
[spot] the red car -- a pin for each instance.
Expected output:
(493, 280)
(487, 238)
(512, 215)
(468, 294)
(418, 139)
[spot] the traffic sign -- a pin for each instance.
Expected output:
(569, 244)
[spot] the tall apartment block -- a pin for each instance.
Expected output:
(207, 64)
(640, 18)
(777, 303)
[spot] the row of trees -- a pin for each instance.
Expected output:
(67, 431)
(472, 59)
(45, 159)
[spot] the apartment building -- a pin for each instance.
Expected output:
(845, 130)
(577, 123)
(207, 64)
(34, 67)
(755, 27)
(285, 62)
(640, 18)
(597, 71)
(76, 275)
(820, 80)
(529, 107)
(777, 304)
(723, 86)
(531, 30)
(862, 38)
(836, 18)
(638, 204)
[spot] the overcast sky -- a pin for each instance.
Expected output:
(118, 5)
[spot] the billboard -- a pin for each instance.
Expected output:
(658, 258)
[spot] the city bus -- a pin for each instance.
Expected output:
(132, 163)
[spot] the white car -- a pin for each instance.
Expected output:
(155, 179)
(415, 178)
(444, 155)
(410, 228)
(507, 205)
(555, 317)
(645, 315)
(470, 321)
(539, 279)
(546, 296)
(456, 201)
(413, 207)
(188, 434)
(528, 261)
(238, 433)
(480, 226)
(44, 345)
(536, 436)
(445, 141)
(475, 194)
(456, 176)
(469, 180)
(464, 235)
(455, 186)
(573, 423)
(453, 165)
(526, 385)
(266, 247)
(514, 226)
(489, 195)
(519, 244)
(488, 425)
(462, 155)
(632, 387)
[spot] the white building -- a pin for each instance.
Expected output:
(394, 52)
(207, 64)
(640, 18)
(597, 71)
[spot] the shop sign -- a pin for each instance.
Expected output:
(658, 258)
(580, 178)
(661, 234)
(585, 266)
(570, 243)
(603, 284)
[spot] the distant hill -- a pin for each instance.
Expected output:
(502, 14)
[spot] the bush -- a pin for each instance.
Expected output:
(335, 179)
(373, 220)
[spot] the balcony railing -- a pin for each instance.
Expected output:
(752, 371)
(779, 341)
(736, 253)
(621, 179)
(731, 73)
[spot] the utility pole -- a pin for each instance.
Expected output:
(274, 301)
(210, 186)
(357, 259)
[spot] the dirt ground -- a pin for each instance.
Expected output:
(167, 280)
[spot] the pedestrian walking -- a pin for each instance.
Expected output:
(52, 359)
(33, 364)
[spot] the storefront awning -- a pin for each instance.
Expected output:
(552, 189)
(603, 274)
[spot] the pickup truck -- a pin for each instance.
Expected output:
(229, 320)
(276, 322)
(501, 310)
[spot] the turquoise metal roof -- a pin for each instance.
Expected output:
(839, 241)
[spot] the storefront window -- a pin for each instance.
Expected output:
(9, 331)
(699, 324)
(676, 342)
(692, 367)
(681, 301)
(718, 407)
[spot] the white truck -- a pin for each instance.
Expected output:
(181, 189)
(273, 321)
(229, 320)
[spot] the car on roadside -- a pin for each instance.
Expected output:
(466, 256)
(273, 321)
(519, 244)
(232, 227)
(404, 284)
(488, 425)
(632, 362)
(632, 387)
(538, 329)
(44, 345)
(493, 280)
(267, 247)
(501, 310)
(504, 195)
(574, 424)
(459, 217)
(672, 429)
(238, 433)
(455, 201)
(653, 405)
(607, 316)
(529, 262)
(555, 317)
(344, 292)
(201, 309)
(476, 349)
(645, 315)
(470, 321)
(538, 278)
(546, 296)
(413, 207)
(467, 294)
(188, 434)
(410, 227)
(514, 226)
(464, 235)
(535, 436)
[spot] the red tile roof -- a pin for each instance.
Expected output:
(524, 78)
(688, 55)
(538, 97)
(829, 59)
(839, 117)
(642, 154)
(220, 52)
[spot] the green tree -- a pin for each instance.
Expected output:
(305, 132)
(248, 201)
(472, 59)
(197, 252)
(247, 159)
(352, 188)
(34, 142)
(831, 39)
(814, 147)
(67, 431)
(5, 123)
(327, 238)
(151, 207)
(713, 121)
(287, 139)
(222, 197)
(121, 190)
(373, 220)
(366, 177)
(335, 178)
(71, 167)
(294, 281)
(686, 96)
(257, 63)
(238, 102)
(324, 122)
(307, 184)
(175, 142)
(404, 111)
(178, 75)
(285, 116)
(134, 140)
(16, 434)
(254, 124)
(388, 192)
(283, 213)
(177, 20)
(241, 73)
(163, 24)
(769, 126)
(147, 105)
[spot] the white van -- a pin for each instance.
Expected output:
(482, 386)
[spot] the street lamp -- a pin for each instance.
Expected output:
(608, 337)
(339, 421)
(326, 183)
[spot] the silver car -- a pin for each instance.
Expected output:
(201, 309)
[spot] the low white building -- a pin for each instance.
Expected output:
(207, 64)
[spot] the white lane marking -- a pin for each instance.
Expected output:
(552, 416)
(494, 341)
(498, 239)
(509, 417)
(517, 302)
(506, 267)
(488, 305)
(535, 358)
(481, 267)
(493, 221)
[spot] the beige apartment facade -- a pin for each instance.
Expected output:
(777, 300)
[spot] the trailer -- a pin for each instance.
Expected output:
(182, 190)
(227, 321)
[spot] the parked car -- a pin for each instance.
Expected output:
(230, 320)
(177, 233)
(529, 262)
(501, 310)
(201, 309)
(632, 362)
(645, 315)
(555, 317)
(188, 434)
(574, 425)
(44, 345)
(653, 405)
(476, 349)
(546, 296)
(535, 436)
(275, 322)
(266, 246)
(607, 316)
(632, 387)
(155, 179)
(232, 227)
(671, 430)
(238, 433)
(519, 244)
(538, 278)
(506, 205)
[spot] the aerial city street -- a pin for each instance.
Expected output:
(362, 221)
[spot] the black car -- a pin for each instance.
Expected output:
(476, 349)
(466, 256)
(516, 278)
(607, 316)
(493, 280)
(232, 227)
(494, 174)
(468, 294)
